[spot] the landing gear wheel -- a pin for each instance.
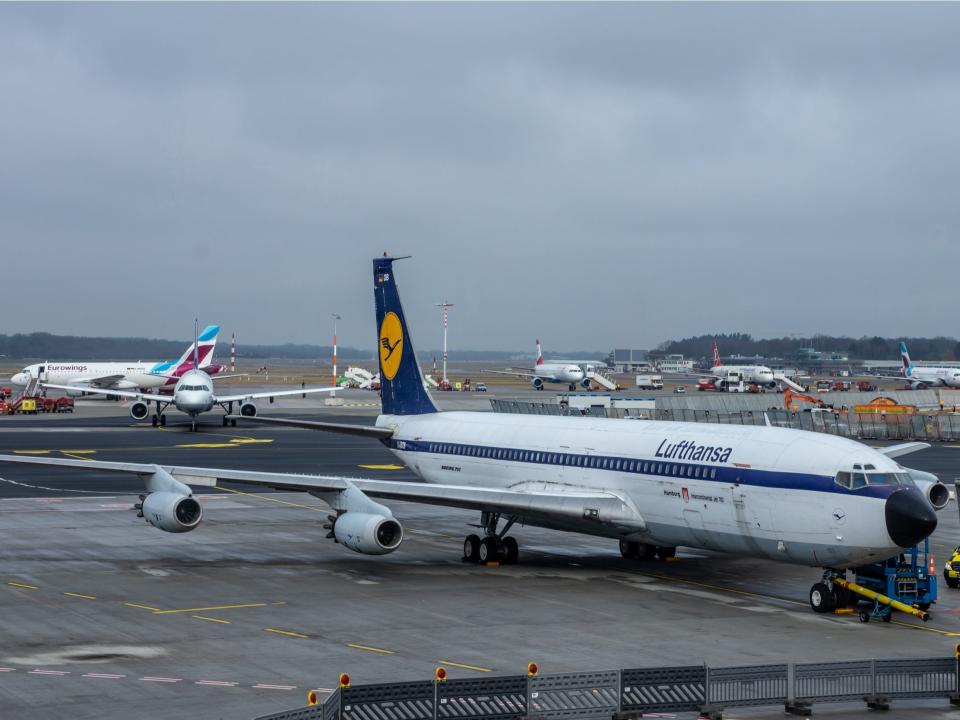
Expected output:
(864, 616)
(666, 553)
(821, 599)
(154, 420)
(471, 549)
(628, 550)
(511, 551)
(489, 550)
(225, 421)
(233, 423)
(647, 552)
(163, 421)
(842, 597)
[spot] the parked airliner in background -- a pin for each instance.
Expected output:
(788, 495)
(94, 377)
(568, 374)
(923, 376)
(760, 375)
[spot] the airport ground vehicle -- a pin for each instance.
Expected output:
(707, 385)
(679, 390)
(480, 387)
(906, 582)
(866, 386)
(840, 385)
(650, 382)
(5, 392)
(951, 570)
(823, 385)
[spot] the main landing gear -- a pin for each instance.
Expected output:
(228, 409)
(160, 419)
(642, 551)
(494, 546)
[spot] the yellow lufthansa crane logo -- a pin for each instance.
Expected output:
(391, 345)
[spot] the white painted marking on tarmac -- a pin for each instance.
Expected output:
(219, 683)
(8, 669)
(265, 686)
(49, 672)
(161, 679)
(105, 676)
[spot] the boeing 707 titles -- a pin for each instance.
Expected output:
(86, 378)
(787, 495)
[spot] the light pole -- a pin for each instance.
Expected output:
(445, 306)
(335, 317)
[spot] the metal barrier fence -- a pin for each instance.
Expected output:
(632, 692)
(860, 426)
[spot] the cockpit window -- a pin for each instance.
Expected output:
(860, 479)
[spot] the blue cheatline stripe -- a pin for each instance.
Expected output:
(681, 471)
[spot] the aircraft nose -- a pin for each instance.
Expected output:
(909, 517)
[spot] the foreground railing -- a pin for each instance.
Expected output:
(631, 693)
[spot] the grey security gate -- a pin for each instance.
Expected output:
(397, 701)
(496, 698)
(331, 706)
(574, 695)
(664, 689)
(747, 685)
(833, 681)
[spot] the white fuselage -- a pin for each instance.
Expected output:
(932, 376)
(559, 373)
(193, 393)
(758, 374)
(757, 491)
(128, 375)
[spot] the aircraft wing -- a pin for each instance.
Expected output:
(132, 394)
(97, 382)
(521, 372)
(529, 500)
(281, 393)
(894, 451)
(343, 428)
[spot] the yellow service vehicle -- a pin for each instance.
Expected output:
(951, 571)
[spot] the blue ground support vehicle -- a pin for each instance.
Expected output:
(905, 582)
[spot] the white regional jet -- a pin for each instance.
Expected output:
(569, 374)
(193, 394)
(92, 377)
(787, 495)
(924, 376)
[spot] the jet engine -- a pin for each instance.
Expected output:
(139, 410)
(935, 491)
(169, 511)
(367, 534)
(585, 382)
(248, 409)
(537, 383)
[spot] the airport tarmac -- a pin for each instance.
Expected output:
(110, 618)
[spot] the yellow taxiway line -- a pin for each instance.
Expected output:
(369, 648)
(465, 666)
(22, 585)
(82, 597)
(210, 619)
(287, 633)
(205, 609)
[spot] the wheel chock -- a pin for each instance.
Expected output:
(798, 708)
(877, 702)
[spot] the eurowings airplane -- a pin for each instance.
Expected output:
(923, 376)
(569, 374)
(94, 377)
(787, 495)
(193, 394)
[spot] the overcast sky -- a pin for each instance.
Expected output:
(597, 175)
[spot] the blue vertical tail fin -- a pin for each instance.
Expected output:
(401, 382)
